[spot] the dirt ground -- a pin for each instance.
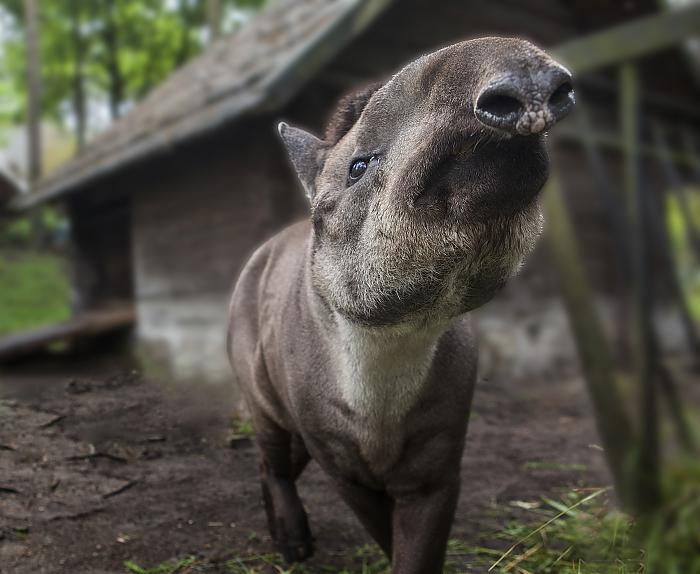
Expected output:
(101, 467)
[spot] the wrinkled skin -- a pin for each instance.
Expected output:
(349, 333)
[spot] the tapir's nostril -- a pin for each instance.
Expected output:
(526, 103)
(500, 107)
(561, 100)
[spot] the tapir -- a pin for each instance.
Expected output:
(350, 335)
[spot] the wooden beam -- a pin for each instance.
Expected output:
(613, 142)
(646, 486)
(84, 326)
(631, 40)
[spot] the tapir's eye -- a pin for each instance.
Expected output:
(358, 169)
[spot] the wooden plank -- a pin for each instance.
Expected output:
(610, 141)
(84, 326)
(645, 485)
(631, 40)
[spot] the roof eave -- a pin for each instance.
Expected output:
(302, 65)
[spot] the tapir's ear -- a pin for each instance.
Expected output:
(306, 152)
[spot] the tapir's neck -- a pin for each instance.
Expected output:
(383, 371)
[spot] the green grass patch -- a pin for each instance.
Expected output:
(555, 466)
(34, 290)
(583, 534)
(578, 534)
(171, 567)
(242, 429)
(672, 536)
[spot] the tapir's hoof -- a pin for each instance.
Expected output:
(288, 525)
(295, 551)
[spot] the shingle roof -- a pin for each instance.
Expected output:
(257, 69)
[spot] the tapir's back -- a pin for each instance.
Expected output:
(262, 290)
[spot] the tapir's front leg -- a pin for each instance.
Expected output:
(421, 527)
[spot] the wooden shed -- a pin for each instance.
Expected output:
(167, 204)
(10, 188)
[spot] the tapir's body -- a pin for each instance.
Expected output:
(349, 335)
(380, 443)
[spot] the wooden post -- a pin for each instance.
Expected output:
(214, 19)
(619, 228)
(612, 420)
(647, 489)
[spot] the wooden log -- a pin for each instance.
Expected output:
(84, 326)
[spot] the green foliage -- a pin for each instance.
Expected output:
(241, 429)
(115, 51)
(672, 537)
(687, 267)
(34, 290)
(579, 535)
(17, 232)
(582, 535)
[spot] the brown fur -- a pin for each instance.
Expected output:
(349, 335)
(347, 112)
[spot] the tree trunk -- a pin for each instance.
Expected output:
(31, 14)
(79, 73)
(111, 41)
(214, 19)
(188, 19)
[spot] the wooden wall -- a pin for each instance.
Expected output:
(100, 250)
(197, 218)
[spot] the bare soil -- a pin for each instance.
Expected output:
(101, 465)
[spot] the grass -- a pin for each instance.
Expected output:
(555, 466)
(583, 534)
(34, 290)
(172, 567)
(241, 429)
(672, 538)
(577, 534)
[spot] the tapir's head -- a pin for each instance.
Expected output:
(424, 190)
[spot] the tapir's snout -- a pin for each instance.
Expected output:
(526, 101)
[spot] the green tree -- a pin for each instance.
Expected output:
(102, 54)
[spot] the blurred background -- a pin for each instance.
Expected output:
(139, 168)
